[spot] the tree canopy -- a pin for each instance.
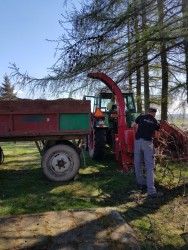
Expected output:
(141, 44)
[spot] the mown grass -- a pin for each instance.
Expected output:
(158, 224)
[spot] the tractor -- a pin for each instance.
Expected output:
(112, 127)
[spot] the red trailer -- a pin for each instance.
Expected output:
(56, 126)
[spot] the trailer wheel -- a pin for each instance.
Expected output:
(60, 163)
(97, 144)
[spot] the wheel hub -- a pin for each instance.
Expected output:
(60, 163)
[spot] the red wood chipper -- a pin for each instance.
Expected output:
(113, 127)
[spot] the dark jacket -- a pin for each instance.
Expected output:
(147, 124)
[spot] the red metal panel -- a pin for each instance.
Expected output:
(44, 106)
(35, 123)
(129, 140)
(5, 124)
(32, 118)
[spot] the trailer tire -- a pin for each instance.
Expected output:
(97, 144)
(60, 163)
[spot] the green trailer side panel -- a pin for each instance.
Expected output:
(74, 122)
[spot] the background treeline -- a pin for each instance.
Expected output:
(140, 44)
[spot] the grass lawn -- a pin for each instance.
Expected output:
(158, 224)
(181, 123)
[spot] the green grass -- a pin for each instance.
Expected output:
(181, 123)
(158, 224)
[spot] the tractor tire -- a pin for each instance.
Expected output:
(97, 144)
(60, 163)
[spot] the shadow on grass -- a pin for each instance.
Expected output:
(27, 191)
(109, 187)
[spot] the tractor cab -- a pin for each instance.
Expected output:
(105, 96)
(107, 103)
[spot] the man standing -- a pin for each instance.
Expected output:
(144, 150)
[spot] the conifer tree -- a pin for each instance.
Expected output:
(140, 43)
(7, 90)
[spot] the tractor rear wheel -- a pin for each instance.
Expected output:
(60, 163)
(96, 144)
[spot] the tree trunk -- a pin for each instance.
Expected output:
(129, 55)
(145, 59)
(185, 28)
(138, 71)
(164, 64)
(138, 89)
(164, 94)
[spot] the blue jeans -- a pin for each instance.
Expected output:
(144, 152)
